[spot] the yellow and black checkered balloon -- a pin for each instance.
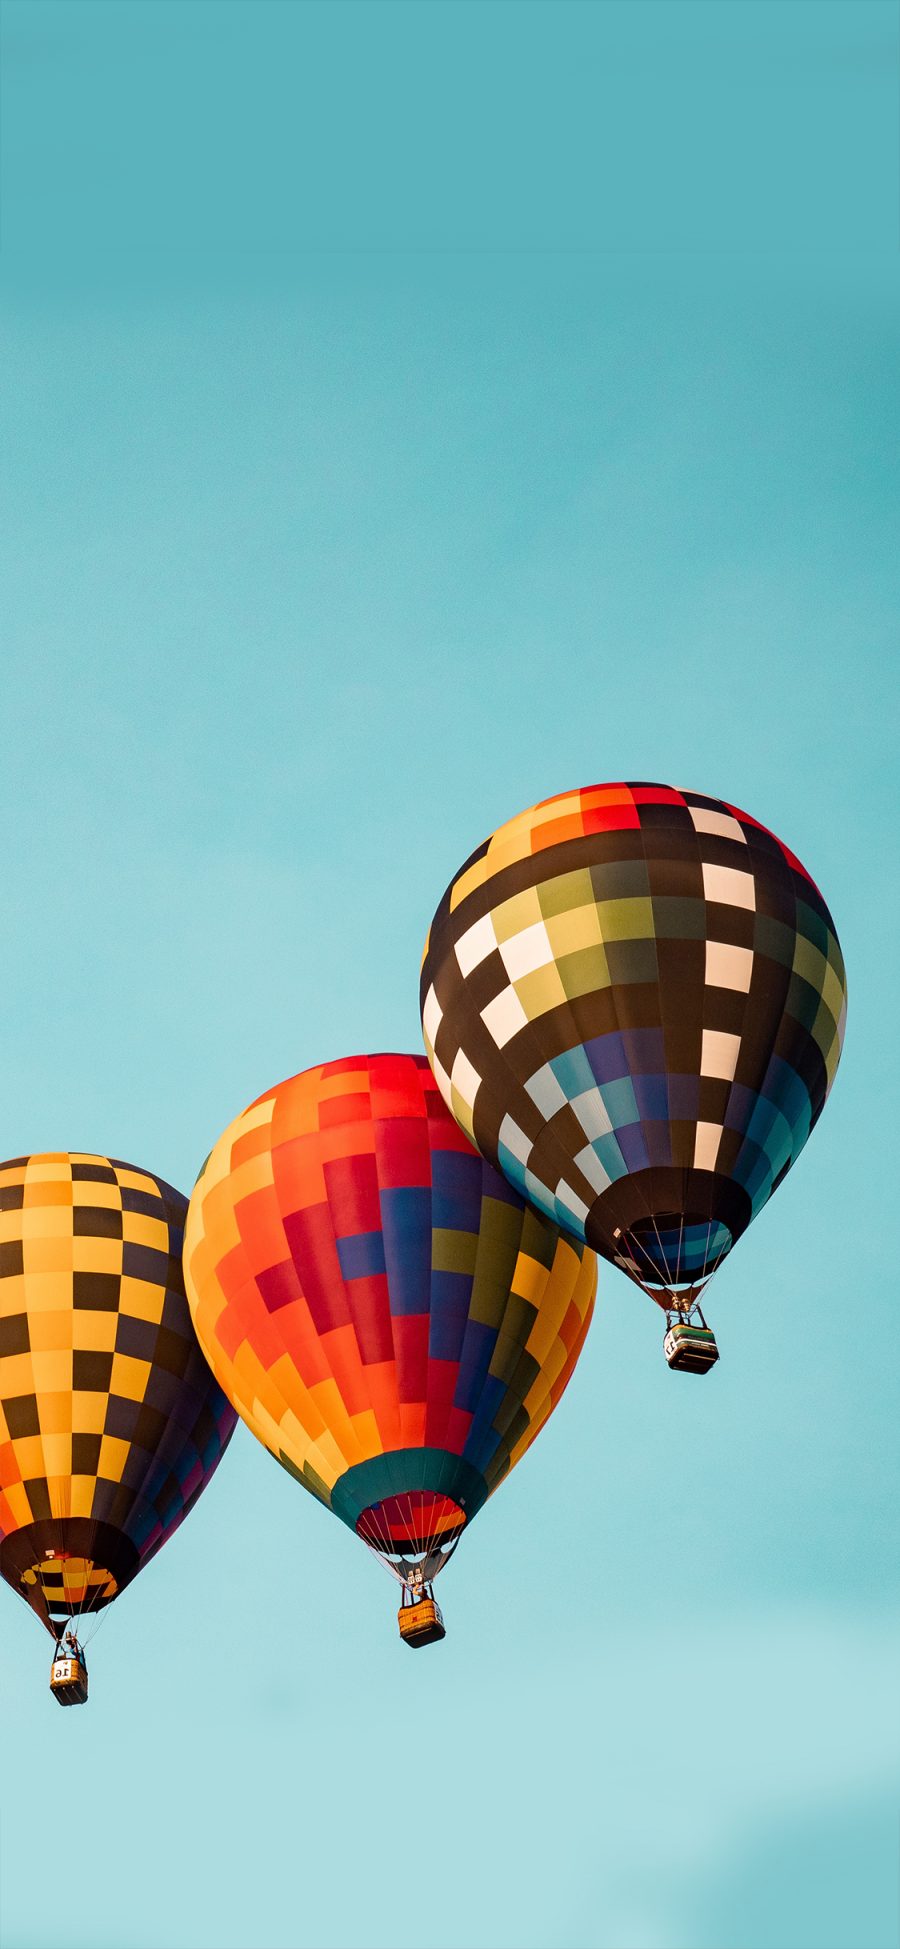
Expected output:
(111, 1423)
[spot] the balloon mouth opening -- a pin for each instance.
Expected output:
(672, 1249)
(412, 1524)
(69, 1583)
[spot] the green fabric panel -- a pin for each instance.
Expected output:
(678, 918)
(802, 1002)
(518, 1320)
(538, 1241)
(583, 971)
(813, 926)
(405, 1470)
(773, 938)
(453, 1251)
(625, 920)
(505, 1365)
(567, 891)
(495, 1261)
(632, 960)
(621, 879)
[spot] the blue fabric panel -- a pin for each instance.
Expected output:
(406, 1228)
(573, 1072)
(652, 1097)
(619, 1101)
(361, 1254)
(474, 1361)
(456, 1187)
(450, 1296)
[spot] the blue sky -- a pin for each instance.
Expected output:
(413, 411)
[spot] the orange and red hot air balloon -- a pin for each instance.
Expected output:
(383, 1310)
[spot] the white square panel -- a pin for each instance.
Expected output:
(590, 1167)
(504, 1016)
(465, 1080)
(546, 1092)
(524, 952)
(719, 1054)
(706, 1146)
(721, 823)
(566, 1197)
(515, 1140)
(729, 885)
(728, 966)
(591, 1112)
(476, 944)
(432, 1016)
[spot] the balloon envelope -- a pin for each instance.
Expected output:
(633, 999)
(111, 1423)
(387, 1316)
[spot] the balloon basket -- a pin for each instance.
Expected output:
(421, 1623)
(69, 1680)
(690, 1349)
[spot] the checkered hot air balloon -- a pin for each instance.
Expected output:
(111, 1423)
(633, 1000)
(389, 1318)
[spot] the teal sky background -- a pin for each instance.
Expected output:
(411, 411)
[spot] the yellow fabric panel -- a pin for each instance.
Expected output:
(89, 1410)
(45, 1221)
(338, 1425)
(50, 1333)
(578, 928)
(252, 1174)
(92, 1331)
(474, 876)
(81, 1492)
(541, 990)
(544, 1332)
(97, 1255)
(138, 1229)
(113, 1456)
(367, 1434)
(57, 1449)
(103, 1196)
(44, 1169)
(50, 1257)
(334, 1459)
(129, 1377)
(141, 1299)
(289, 1389)
(135, 1180)
(544, 814)
(530, 1278)
(56, 1414)
(512, 916)
(30, 1459)
(18, 1500)
(52, 1372)
(16, 1374)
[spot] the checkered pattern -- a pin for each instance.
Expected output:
(387, 1316)
(633, 999)
(110, 1421)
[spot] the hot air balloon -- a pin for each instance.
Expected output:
(111, 1423)
(387, 1316)
(633, 1000)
